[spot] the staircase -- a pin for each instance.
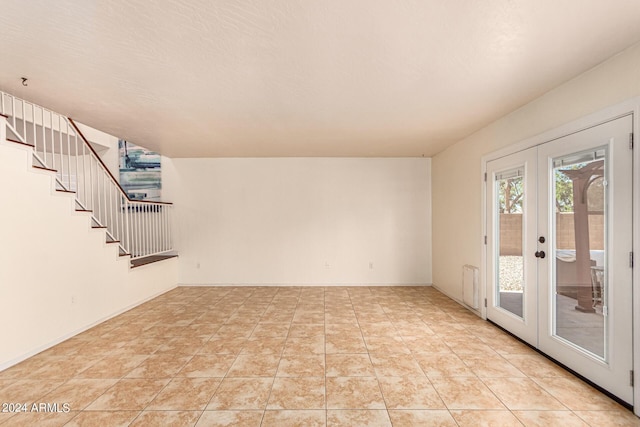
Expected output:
(141, 229)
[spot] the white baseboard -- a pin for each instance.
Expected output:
(459, 301)
(322, 285)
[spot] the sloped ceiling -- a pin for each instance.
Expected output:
(214, 78)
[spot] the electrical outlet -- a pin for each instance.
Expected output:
(73, 299)
(197, 265)
(326, 265)
(370, 266)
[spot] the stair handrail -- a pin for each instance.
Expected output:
(140, 244)
(135, 220)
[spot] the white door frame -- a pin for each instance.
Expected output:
(631, 106)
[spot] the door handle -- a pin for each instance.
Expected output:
(540, 254)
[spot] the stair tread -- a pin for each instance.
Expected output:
(62, 190)
(138, 262)
(44, 168)
(98, 226)
(15, 141)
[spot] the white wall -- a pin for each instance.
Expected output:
(301, 220)
(57, 276)
(457, 198)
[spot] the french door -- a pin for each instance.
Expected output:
(559, 237)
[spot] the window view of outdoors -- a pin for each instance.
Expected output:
(579, 236)
(510, 190)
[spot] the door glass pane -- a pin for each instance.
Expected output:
(509, 187)
(579, 184)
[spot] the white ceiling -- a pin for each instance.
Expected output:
(214, 78)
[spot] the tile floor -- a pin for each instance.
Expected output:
(310, 356)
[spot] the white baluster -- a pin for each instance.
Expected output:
(33, 120)
(24, 122)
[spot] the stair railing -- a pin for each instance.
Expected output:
(140, 228)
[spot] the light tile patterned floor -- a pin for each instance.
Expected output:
(301, 356)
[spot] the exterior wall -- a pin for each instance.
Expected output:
(457, 175)
(566, 232)
(57, 276)
(511, 232)
(301, 220)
